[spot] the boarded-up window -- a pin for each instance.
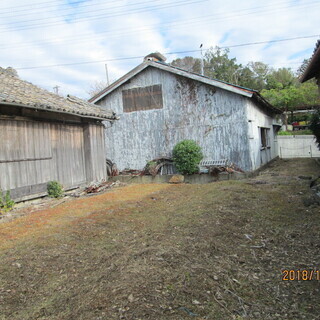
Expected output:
(145, 98)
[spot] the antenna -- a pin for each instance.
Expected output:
(56, 89)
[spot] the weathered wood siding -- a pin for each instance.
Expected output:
(95, 154)
(215, 118)
(33, 153)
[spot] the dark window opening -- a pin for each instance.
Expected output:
(145, 98)
(265, 138)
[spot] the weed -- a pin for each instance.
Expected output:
(6, 203)
(55, 189)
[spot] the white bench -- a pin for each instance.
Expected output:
(205, 164)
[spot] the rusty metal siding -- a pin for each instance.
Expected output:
(215, 118)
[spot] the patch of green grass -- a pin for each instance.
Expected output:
(295, 133)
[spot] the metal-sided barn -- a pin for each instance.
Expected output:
(160, 105)
(46, 137)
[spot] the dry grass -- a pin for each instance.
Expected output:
(212, 251)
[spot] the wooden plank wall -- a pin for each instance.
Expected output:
(95, 160)
(33, 153)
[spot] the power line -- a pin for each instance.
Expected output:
(173, 24)
(138, 10)
(32, 7)
(103, 16)
(167, 53)
(71, 8)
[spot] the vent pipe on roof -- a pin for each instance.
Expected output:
(155, 56)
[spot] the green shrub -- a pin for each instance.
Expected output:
(187, 156)
(55, 189)
(6, 203)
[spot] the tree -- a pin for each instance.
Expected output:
(260, 72)
(303, 67)
(281, 78)
(188, 63)
(289, 97)
(218, 65)
(96, 87)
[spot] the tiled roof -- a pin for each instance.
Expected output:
(313, 67)
(13, 90)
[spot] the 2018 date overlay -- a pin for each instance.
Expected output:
(297, 275)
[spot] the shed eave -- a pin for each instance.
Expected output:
(56, 111)
(313, 67)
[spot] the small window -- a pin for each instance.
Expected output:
(265, 138)
(143, 98)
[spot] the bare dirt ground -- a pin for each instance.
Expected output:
(214, 251)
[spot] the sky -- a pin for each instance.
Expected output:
(70, 44)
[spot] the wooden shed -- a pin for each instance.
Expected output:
(45, 137)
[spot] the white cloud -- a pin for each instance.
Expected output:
(101, 37)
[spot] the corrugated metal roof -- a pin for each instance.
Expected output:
(13, 90)
(184, 73)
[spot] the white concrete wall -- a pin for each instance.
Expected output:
(301, 146)
(258, 119)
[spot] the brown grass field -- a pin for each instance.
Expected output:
(214, 251)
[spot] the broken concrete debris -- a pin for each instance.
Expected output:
(165, 166)
(101, 186)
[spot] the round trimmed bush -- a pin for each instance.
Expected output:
(187, 156)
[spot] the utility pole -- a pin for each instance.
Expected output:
(56, 89)
(106, 66)
(202, 71)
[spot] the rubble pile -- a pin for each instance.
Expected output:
(101, 186)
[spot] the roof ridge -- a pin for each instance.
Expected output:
(201, 75)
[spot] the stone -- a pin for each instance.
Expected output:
(177, 178)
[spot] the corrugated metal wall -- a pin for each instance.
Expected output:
(216, 119)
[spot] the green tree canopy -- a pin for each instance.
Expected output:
(188, 63)
(281, 78)
(279, 86)
(218, 65)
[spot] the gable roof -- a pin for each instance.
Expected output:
(14, 91)
(194, 76)
(313, 68)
